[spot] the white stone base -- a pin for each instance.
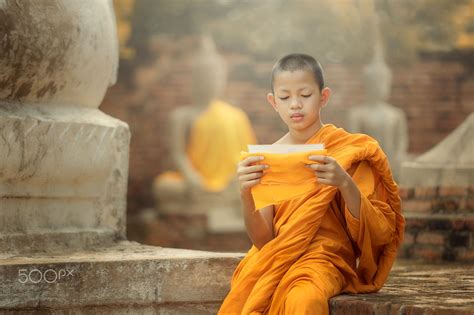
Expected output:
(425, 175)
(125, 274)
(63, 170)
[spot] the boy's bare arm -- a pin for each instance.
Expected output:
(351, 194)
(329, 172)
(259, 224)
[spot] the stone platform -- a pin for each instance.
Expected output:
(130, 278)
(415, 288)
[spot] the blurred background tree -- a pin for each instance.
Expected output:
(335, 31)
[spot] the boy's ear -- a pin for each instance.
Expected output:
(325, 94)
(271, 100)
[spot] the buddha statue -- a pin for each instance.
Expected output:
(206, 140)
(386, 123)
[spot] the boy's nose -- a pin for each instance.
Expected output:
(295, 103)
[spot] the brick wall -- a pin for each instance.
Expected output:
(439, 227)
(189, 231)
(440, 223)
(436, 96)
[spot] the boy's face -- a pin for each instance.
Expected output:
(297, 99)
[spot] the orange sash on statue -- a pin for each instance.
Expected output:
(217, 137)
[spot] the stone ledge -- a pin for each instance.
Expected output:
(415, 174)
(125, 274)
(415, 288)
(130, 278)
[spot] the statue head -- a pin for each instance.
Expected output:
(208, 72)
(377, 78)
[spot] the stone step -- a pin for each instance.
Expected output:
(121, 276)
(135, 279)
(415, 288)
(438, 237)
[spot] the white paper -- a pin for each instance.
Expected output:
(284, 148)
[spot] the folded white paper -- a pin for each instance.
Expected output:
(284, 148)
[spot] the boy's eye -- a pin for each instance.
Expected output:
(284, 98)
(306, 95)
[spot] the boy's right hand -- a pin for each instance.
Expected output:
(249, 173)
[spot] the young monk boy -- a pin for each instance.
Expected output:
(336, 231)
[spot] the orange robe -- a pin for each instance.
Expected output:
(320, 249)
(287, 178)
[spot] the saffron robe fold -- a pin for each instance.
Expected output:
(287, 178)
(316, 233)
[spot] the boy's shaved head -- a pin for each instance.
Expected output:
(303, 62)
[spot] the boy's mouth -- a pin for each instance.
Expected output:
(296, 116)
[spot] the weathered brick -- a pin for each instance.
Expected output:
(432, 238)
(421, 206)
(449, 205)
(404, 251)
(471, 189)
(409, 238)
(459, 239)
(470, 223)
(459, 224)
(470, 204)
(465, 255)
(426, 192)
(406, 193)
(428, 253)
(415, 224)
(453, 191)
(439, 224)
(448, 255)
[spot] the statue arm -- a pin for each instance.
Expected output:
(354, 121)
(178, 144)
(402, 135)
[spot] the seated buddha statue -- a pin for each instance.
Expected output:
(206, 139)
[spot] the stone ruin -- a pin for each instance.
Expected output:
(438, 193)
(64, 172)
(63, 183)
(63, 176)
(449, 163)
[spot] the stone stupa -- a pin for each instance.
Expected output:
(449, 163)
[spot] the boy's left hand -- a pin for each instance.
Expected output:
(328, 171)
